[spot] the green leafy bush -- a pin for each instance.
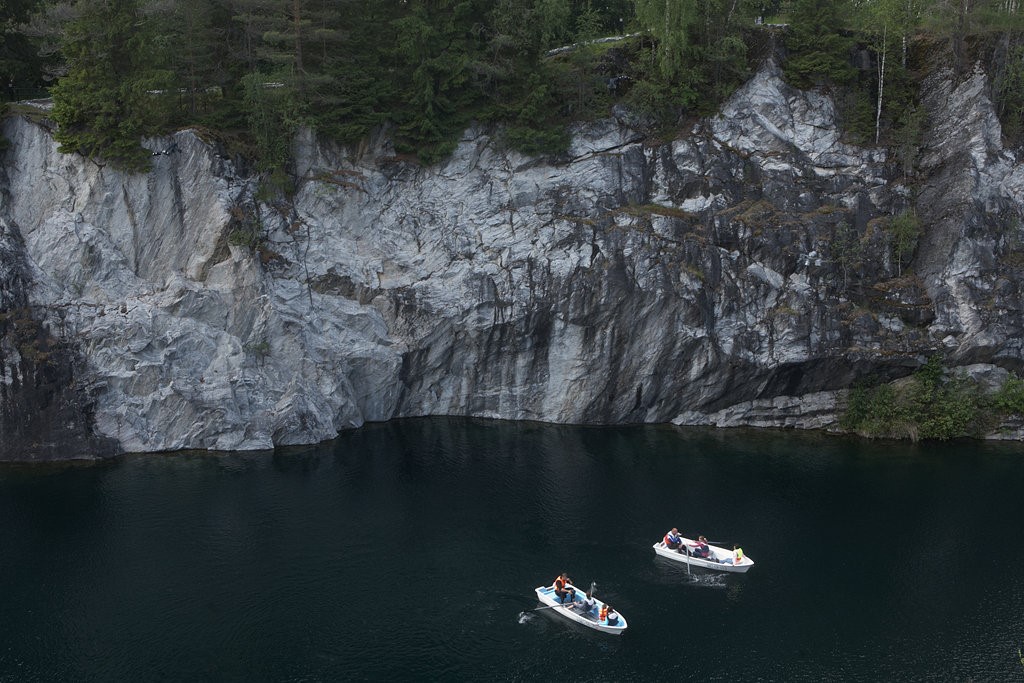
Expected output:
(926, 406)
(904, 230)
(1009, 400)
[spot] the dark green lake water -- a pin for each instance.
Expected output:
(410, 551)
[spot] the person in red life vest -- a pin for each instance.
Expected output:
(563, 588)
(673, 541)
(700, 548)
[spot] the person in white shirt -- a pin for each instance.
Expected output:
(588, 604)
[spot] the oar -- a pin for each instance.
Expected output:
(723, 544)
(537, 609)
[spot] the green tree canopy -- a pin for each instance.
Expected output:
(111, 95)
(817, 44)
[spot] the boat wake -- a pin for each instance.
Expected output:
(708, 580)
(524, 617)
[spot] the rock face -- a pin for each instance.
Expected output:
(46, 412)
(741, 274)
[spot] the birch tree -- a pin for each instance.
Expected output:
(881, 21)
(719, 46)
(667, 21)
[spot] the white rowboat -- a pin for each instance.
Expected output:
(574, 610)
(720, 559)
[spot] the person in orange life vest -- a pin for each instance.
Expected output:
(603, 614)
(700, 548)
(673, 541)
(561, 581)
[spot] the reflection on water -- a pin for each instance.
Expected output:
(411, 550)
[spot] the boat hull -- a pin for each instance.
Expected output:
(546, 594)
(715, 563)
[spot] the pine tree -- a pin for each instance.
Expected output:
(20, 62)
(819, 50)
(191, 45)
(362, 70)
(439, 49)
(111, 95)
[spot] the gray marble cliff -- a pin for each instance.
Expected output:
(739, 275)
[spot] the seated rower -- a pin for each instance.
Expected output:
(673, 541)
(700, 548)
(563, 588)
(612, 616)
(588, 604)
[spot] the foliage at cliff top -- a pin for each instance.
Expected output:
(257, 70)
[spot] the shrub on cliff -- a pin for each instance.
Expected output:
(4, 142)
(928, 405)
(1009, 400)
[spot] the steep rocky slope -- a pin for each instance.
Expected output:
(741, 274)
